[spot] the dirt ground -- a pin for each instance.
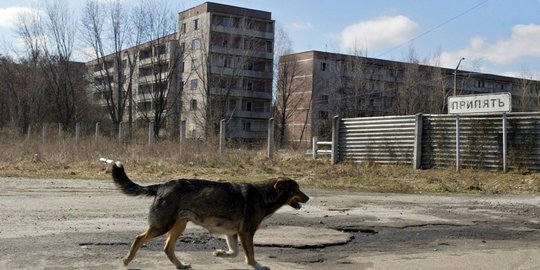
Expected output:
(88, 224)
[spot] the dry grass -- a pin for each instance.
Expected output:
(165, 160)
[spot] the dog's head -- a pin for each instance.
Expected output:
(291, 190)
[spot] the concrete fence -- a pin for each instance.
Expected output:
(121, 134)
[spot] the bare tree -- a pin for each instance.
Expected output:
(56, 82)
(289, 95)
(65, 77)
(22, 79)
(107, 30)
(413, 84)
(525, 91)
(356, 94)
(160, 86)
(21, 92)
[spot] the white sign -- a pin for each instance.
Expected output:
(488, 103)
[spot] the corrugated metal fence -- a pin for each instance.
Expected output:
(378, 139)
(428, 141)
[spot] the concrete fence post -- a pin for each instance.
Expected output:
(181, 134)
(98, 125)
(314, 147)
(29, 132)
(121, 132)
(77, 131)
(60, 131)
(335, 139)
(270, 140)
(151, 133)
(222, 137)
(417, 151)
(45, 132)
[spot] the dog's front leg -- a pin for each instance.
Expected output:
(232, 243)
(247, 244)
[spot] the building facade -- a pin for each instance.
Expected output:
(230, 69)
(218, 65)
(314, 86)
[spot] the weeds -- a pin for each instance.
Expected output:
(164, 160)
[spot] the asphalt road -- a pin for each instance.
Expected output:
(84, 224)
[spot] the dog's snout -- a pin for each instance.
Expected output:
(303, 197)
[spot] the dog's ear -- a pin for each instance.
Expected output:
(280, 185)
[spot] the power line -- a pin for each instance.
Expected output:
(434, 28)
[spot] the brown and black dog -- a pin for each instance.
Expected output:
(235, 210)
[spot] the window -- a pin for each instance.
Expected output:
(480, 84)
(196, 44)
(194, 64)
(161, 49)
(196, 24)
(183, 28)
(227, 22)
(246, 125)
(324, 66)
(248, 106)
(323, 114)
(227, 62)
(249, 86)
(181, 67)
(193, 105)
(193, 84)
(182, 47)
(249, 24)
(324, 99)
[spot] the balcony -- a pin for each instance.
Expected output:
(242, 32)
(243, 72)
(152, 79)
(243, 93)
(252, 114)
(161, 59)
(241, 52)
(103, 72)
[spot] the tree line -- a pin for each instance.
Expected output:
(43, 82)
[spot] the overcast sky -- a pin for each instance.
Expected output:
(495, 36)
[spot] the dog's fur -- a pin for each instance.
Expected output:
(235, 210)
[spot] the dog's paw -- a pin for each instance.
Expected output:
(126, 261)
(218, 253)
(222, 253)
(183, 266)
(261, 267)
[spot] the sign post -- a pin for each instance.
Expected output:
(481, 104)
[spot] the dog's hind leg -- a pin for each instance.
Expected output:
(174, 233)
(247, 244)
(232, 243)
(140, 240)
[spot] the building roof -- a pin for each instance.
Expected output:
(226, 9)
(320, 55)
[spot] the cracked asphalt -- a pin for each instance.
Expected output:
(88, 224)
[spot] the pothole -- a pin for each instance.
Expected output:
(301, 237)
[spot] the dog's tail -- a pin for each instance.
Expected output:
(128, 187)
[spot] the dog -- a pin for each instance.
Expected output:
(234, 210)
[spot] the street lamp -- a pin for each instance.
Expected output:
(455, 74)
